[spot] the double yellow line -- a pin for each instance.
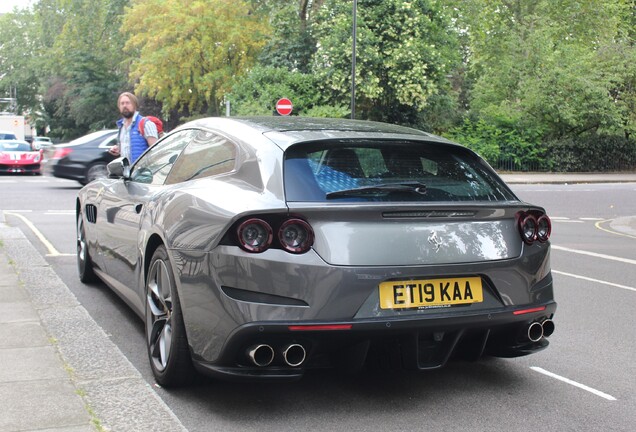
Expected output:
(598, 226)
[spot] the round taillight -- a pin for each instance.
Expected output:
(528, 228)
(544, 228)
(254, 235)
(296, 236)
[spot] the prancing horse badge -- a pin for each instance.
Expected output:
(435, 241)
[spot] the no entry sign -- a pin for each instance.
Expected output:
(284, 106)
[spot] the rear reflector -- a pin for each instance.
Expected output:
(527, 311)
(320, 327)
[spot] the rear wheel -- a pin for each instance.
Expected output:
(168, 350)
(96, 171)
(84, 263)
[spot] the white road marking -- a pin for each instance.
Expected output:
(574, 383)
(595, 255)
(591, 219)
(598, 226)
(52, 251)
(59, 212)
(595, 280)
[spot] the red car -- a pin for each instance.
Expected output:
(18, 157)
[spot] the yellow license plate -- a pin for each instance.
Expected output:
(430, 292)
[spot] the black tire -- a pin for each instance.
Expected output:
(84, 262)
(166, 339)
(95, 171)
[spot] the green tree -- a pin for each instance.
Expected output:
(291, 44)
(18, 54)
(257, 92)
(551, 65)
(188, 54)
(405, 50)
(82, 59)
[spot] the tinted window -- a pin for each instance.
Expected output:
(207, 155)
(7, 136)
(15, 146)
(388, 171)
(154, 165)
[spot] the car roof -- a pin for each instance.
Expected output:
(292, 124)
(91, 137)
(285, 131)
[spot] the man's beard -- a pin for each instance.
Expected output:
(127, 114)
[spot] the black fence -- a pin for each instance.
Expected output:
(592, 154)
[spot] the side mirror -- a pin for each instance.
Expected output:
(119, 168)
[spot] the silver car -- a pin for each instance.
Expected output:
(259, 248)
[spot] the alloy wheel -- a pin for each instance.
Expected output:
(159, 322)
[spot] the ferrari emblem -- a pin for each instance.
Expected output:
(435, 241)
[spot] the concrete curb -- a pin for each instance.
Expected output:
(114, 393)
(568, 178)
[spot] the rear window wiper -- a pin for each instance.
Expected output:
(414, 186)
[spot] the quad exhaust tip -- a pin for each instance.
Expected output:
(535, 331)
(538, 330)
(261, 355)
(294, 355)
(548, 327)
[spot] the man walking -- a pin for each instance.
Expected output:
(131, 142)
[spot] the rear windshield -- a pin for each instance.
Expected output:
(396, 171)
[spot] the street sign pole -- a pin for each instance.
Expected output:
(353, 61)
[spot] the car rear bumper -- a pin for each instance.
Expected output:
(414, 344)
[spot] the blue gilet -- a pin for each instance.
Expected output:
(138, 143)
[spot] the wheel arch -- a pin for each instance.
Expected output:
(153, 243)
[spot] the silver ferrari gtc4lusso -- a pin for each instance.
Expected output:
(259, 248)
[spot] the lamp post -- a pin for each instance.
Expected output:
(353, 61)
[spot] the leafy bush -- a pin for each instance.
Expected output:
(592, 153)
(500, 142)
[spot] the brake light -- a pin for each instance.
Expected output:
(61, 152)
(293, 235)
(534, 226)
(254, 235)
(296, 236)
(527, 311)
(544, 228)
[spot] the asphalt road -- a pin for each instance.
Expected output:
(585, 380)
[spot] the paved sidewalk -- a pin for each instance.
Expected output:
(36, 390)
(59, 370)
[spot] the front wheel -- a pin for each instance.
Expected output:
(165, 332)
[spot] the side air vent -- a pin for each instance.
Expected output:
(429, 214)
(91, 213)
